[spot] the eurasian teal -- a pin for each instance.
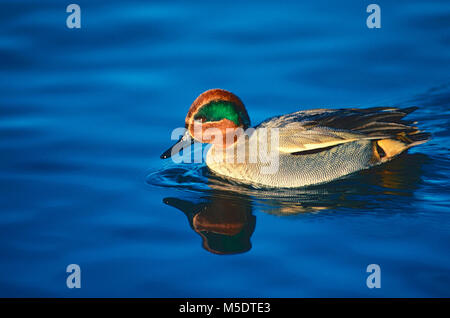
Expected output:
(312, 146)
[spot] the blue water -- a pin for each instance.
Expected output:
(85, 114)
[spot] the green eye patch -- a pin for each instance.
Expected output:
(218, 110)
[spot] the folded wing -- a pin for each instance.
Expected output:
(313, 130)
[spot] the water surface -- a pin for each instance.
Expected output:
(85, 114)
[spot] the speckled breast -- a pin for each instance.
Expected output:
(297, 170)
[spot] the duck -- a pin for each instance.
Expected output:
(310, 146)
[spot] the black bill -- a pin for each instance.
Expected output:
(184, 141)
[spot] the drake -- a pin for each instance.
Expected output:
(311, 146)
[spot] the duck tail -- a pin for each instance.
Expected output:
(386, 149)
(403, 136)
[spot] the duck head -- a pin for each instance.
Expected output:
(214, 113)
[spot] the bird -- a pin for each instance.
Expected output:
(309, 146)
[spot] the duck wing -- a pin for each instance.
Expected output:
(320, 129)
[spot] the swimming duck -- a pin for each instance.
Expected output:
(312, 146)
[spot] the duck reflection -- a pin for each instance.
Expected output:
(223, 216)
(224, 225)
